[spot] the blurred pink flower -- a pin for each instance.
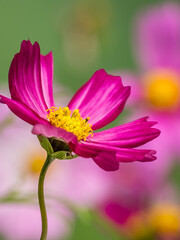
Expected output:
(99, 102)
(143, 215)
(157, 36)
(157, 47)
(23, 222)
(137, 189)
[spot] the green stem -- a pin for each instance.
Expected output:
(42, 205)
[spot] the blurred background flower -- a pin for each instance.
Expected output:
(155, 89)
(156, 86)
(137, 39)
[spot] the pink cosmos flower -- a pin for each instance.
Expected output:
(157, 41)
(97, 103)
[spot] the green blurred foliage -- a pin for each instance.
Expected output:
(2, 238)
(51, 22)
(174, 175)
(95, 227)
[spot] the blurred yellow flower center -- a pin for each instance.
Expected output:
(165, 219)
(35, 165)
(162, 89)
(71, 122)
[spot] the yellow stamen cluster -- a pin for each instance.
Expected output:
(162, 89)
(71, 122)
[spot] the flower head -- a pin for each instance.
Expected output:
(97, 103)
(62, 118)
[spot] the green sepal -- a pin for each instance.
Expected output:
(51, 145)
(63, 155)
(44, 141)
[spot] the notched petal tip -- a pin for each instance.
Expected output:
(150, 156)
(147, 119)
(102, 72)
(157, 131)
(102, 98)
(30, 78)
(26, 45)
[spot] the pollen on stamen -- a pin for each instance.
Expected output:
(71, 122)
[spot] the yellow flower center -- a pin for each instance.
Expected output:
(165, 219)
(36, 165)
(162, 89)
(71, 122)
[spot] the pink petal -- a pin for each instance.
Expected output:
(102, 99)
(132, 155)
(106, 161)
(108, 157)
(129, 135)
(158, 37)
(83, 150)
(51, 131)
(120, 211)
(22, 111)
(29, 80)
(47, 78)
